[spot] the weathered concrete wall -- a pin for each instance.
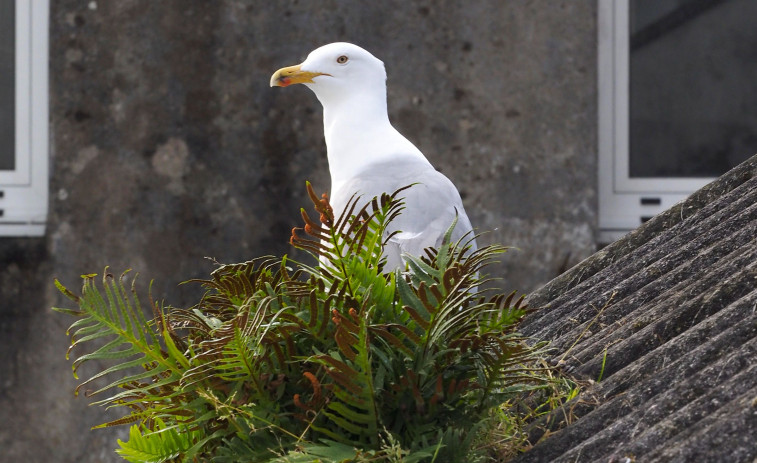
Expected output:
(168, 146)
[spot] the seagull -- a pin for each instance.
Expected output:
(367, 156)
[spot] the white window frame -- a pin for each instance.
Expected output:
(624, 202)
(24, 198)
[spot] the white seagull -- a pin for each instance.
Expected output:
(368, 156)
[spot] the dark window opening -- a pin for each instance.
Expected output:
(693, 98)
(7, 84)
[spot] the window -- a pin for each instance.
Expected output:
(677, 102)
(23, 117)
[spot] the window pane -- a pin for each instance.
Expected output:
(7, 84)
(693, 86)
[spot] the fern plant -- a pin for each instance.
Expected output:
(288, 362)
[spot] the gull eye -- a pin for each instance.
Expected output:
(342, 59)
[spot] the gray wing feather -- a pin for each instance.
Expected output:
(430, 206)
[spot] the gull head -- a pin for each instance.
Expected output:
(336, 70)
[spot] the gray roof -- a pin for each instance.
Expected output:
(674, 304)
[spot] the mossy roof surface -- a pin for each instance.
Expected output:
(674, 306)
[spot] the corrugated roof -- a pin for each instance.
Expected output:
(674, 306)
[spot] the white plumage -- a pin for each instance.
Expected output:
(368, 156)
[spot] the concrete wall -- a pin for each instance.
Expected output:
(168, 146)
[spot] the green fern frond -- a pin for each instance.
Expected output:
(352, 244)
(353, 407)
(326, 452)
(130, 341)
(164, 443)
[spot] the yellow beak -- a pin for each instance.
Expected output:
(285, 77)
